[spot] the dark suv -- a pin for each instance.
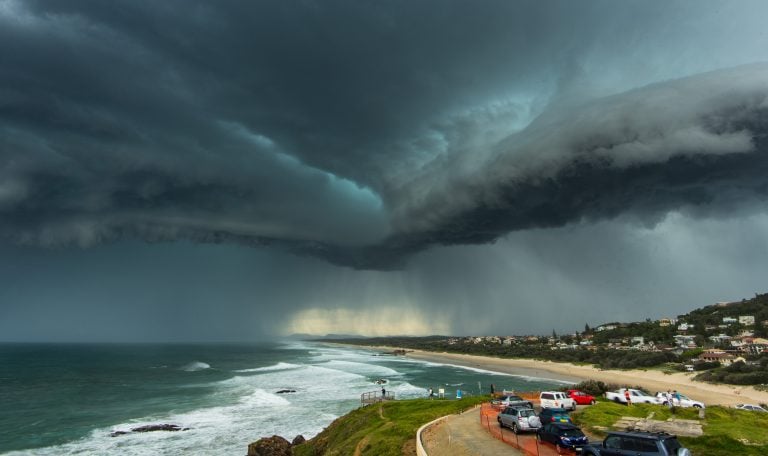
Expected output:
(637, 443)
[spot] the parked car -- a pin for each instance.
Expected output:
(640, 443)
(635, 395)
(751, 407)
(581, 397)
(554, 415)
(563, 436)
(511, 400)
(519, 419)
(556, 399)
(684, 400)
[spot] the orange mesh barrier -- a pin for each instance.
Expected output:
(525, 442)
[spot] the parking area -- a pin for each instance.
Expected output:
(525, 442)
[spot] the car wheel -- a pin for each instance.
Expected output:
(592, 402)
(696, 406)
(617, 400)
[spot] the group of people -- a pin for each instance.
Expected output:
(672, 397)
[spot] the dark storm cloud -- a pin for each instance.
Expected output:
(361, 132)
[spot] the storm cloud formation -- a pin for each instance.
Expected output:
(363, 132)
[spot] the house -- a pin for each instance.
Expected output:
(684, 327)
(720, 338)
(684, 341)
(729, 320)
(725, 359)
(605, 328)
(747, 320)
(665, 322)
(754, 346)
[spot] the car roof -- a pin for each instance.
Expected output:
(565, 426)
(643, 434)
(555, 410)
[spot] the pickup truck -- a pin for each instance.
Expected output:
(637, 443)
(636, 396)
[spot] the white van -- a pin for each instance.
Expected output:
(556, 399)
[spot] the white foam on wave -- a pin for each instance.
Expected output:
(361, 368)
(247, 408)
(276, 367)
(527, 378)
(195, 366)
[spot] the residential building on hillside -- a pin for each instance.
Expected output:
(747, 320)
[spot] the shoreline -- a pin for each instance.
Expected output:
(652, 380)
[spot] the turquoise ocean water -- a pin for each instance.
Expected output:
(68, 399)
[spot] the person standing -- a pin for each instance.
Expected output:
(493, 389)
(627, 396)
(383, 393)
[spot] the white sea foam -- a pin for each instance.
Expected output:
(276, 367)
(196, 366)
(246, 407)
(527, 378)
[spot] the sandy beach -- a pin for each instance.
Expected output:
(652, 380)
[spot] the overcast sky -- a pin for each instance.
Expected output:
(234, 170)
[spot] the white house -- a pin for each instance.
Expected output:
(747, 320)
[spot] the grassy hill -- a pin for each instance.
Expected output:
(387, 428)
(727, 431)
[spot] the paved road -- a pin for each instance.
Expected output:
(468, 435)
(463, 435)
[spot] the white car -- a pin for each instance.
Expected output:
(684, 400)
(556, 399)
(752, 407)
(636, 396)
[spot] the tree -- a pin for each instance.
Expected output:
(586, 328)
(554, 334)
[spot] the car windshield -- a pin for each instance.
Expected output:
(671, 445)
(527, 413)
(514, 398)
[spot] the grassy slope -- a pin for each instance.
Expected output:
(723, 427)
(381, 429)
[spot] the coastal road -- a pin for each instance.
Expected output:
(468, 434)
(463, 435)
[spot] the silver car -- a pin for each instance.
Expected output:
(751, 407)
(519, 419)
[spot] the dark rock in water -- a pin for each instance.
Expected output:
(285, 391)
(298, 440)
(150, 428)
(157, 427)
(270, 446)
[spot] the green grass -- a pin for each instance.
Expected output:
(723, 427)
(381, 429)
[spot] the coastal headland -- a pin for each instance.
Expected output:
(650, 379)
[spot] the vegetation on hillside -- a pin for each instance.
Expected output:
(704, 322)
(727, 431)
(387, 428)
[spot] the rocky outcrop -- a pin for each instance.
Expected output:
(688, 428)
(150, 428)
(274, 446)
(285, 391)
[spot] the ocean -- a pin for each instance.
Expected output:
(69, 399)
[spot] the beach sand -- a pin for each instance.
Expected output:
(652, 380)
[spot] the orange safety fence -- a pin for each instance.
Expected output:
(525, 442)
